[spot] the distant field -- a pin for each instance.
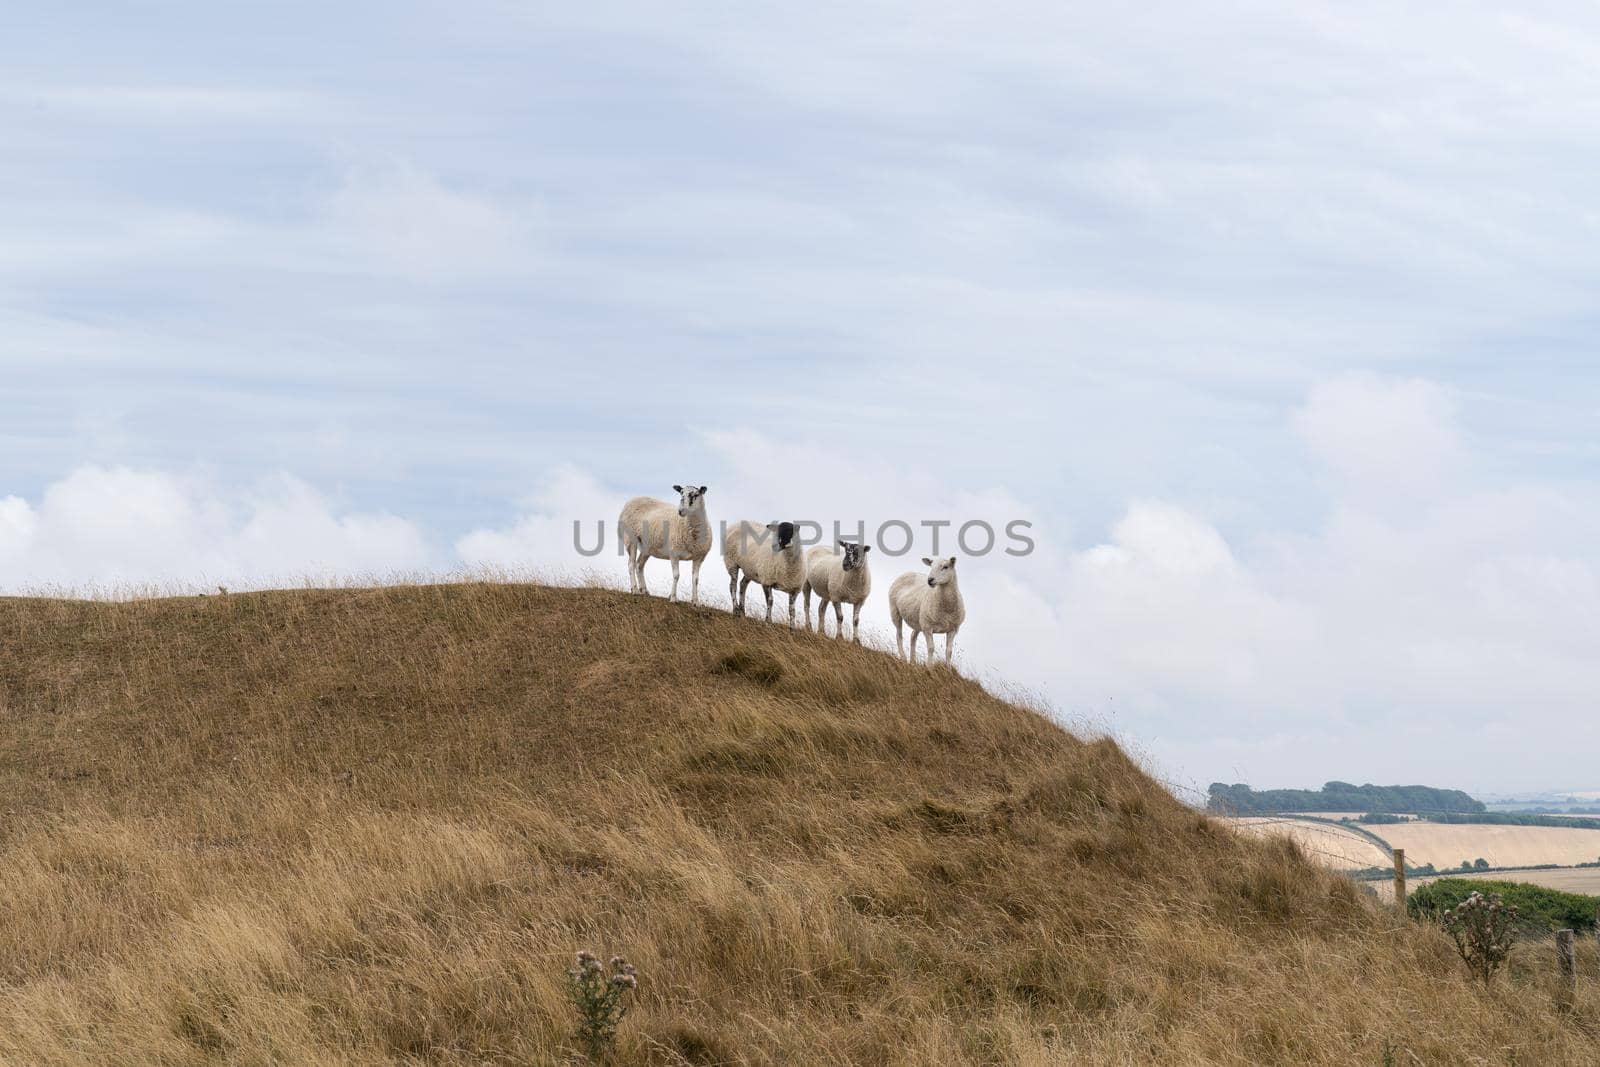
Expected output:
(1443, 845)
(1585, 880)
(1446, 845)
(1336, 847)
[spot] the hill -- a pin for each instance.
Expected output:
(1240, 799)
(371, 826)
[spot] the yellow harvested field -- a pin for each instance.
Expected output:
(1446, 845)
(1331, 845)
(1568, 880)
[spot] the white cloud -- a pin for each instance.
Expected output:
(542, 539)
(401, 219)
(117, 527)
(167, 104)
(1382, 435)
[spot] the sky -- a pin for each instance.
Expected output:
(1275, 321)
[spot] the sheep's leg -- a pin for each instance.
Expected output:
(838, 618)
(792, 597)
(743, 586)
(949, 639)
(899, 640)
(694, 581)
(733, 588)
(633, 579)
(643, 588)
(822, 617)
(855, 624)
(674, 595)
(767, 589)
(805, 592)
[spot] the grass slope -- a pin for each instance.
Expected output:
(371, 826)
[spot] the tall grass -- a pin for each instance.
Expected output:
(372, 825)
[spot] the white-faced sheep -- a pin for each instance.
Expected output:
(838, 576)
(654, 529)
(772, 557)
(929, 604)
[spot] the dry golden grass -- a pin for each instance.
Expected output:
(371, 826)
(1333, 846)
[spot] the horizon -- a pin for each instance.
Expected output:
(1272, 324)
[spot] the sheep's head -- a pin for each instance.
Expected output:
(783, 534)
(690, 498)
(941, 570)
(854, 555)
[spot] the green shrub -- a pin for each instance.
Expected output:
(1538, 907)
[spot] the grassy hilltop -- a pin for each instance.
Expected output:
(371, 826)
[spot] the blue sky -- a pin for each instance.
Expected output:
(1277, 322)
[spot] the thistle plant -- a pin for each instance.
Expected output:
(600, 995)
(1483, 929)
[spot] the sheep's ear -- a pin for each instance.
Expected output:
(952, 561)
(677, 488)
(772, 526)
(702, 490)
(865, 549)
(927, 561)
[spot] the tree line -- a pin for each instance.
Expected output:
(1240, 799)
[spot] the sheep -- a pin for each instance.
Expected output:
(929, 604)
(839, 576)
(772, 557)
(653, 529)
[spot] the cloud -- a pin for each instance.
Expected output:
(543, 538)
(119, 527)
(401, 219)
(168, 104)
(1382, 435)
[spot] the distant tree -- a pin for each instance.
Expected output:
(1480, 864)
(1342, 796)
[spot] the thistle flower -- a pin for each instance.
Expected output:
(600, 1000)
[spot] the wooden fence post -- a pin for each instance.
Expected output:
(1568, 962)
(1400, 879)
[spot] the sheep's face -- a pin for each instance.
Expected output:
(783, 534)
(690, 498)
(941, 571)
(854, 555)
